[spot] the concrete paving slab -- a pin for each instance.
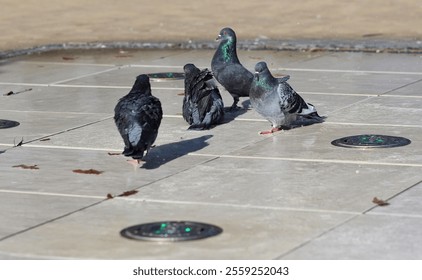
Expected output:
(56, 165)
(172, 133)
(364, 83)
(404, 204)
(126, 75)
(411, 90)
(366, 237)
(202, 58)
(387, 110)
(296, 177)
(34, 210)
(40, 73)
(247, 233)
(288, 184)
(364, 62)
(314, 143)
(60, 99)
(34, 125)
(105, 57)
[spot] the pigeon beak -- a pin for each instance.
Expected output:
(218, 38)
(256, 76)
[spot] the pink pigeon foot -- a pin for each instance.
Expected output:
(274, 129)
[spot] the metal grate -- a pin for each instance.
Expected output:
(171, 231)
(166, 76)
(371, 141)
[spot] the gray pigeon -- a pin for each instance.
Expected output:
(275, 100)
(202, 104)
(228, 70)
(138, 116)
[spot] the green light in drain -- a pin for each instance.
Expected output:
(161, 229)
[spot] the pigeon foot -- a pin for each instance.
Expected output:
(233, 109)
(271, 131)
(134, 162)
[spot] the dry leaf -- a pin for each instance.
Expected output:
(16, 92)
(181, 93)
(68, 58)
(380, 202)
(24, 166)
(19, 144)
(88, 171)
(128, 193)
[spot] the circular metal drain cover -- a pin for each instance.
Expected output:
(165, 76)
(371, 141)
(8, 124)
(171, 231)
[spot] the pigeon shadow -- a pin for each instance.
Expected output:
(301, 122)
(163, 154)
(230, 115)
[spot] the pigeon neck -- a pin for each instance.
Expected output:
(228, 49)
(141, 91)
(265, 82)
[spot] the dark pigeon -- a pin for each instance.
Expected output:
(228, 70)
(202, 104)
(275, 100)
(138, 116)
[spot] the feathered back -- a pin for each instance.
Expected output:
(138, 116)
(202, 97)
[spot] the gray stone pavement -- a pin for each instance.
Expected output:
(291, 195)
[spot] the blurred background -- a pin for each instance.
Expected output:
(29, 23)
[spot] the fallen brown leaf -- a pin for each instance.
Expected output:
(380, 202)
(68, 58)
(24, 166)
(128, 193)
(88, 171)
(181, 93)
(109, 196)
(16, 92)
(19, 144)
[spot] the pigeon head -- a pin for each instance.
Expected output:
(227, 47)
(226, 34)
(141, 85)
(190, 69)
(261, 68)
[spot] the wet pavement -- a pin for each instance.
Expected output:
(291, 195)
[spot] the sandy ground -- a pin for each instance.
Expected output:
(29, 23)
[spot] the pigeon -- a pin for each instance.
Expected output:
(138, 116)
(275, 100)
(228, 70)
(202, 104)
